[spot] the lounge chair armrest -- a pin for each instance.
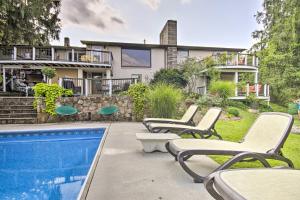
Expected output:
(242, 156)
(209, 185)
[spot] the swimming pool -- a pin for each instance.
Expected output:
(46, 164)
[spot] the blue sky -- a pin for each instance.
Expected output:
(226, 23)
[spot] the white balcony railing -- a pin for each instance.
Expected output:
(236, 59)
(56, 54)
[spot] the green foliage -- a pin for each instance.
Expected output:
(29, 22)
(138, 93)
(172, 76)
(279, 48)
(164, 100)
(1, 78)
(233, 111)
(192, 71)
(209, 101)
(293, 108)
(223, 89)
(237, 104)
(50, 93)
(49, 72)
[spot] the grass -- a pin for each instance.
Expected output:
(279, 108)
(234, 130)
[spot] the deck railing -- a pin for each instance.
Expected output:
(97, 86)
(60, 54)
(257, 90)
(238, 59)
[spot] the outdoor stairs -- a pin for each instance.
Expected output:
(17, 110)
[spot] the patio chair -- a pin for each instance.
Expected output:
(264, 140)
(205, 128)
(258, 184)
(186, 119)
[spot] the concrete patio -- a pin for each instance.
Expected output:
(125, 172)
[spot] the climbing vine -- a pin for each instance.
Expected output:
(138, 93)
(50, 92)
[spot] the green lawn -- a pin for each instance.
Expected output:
(234, 131)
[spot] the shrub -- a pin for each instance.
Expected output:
(233, 112)
(49, 72)
(209, 101)
(164, 100)
(223, 89)
(138, 93)
(1, 78)
(171, 76)
(237, 104)
(51, 92)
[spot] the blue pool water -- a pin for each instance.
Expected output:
(46, 164)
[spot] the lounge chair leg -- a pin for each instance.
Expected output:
(215, 133)
(286, 160)
(243, 156)
(167, 145)
(181, 159)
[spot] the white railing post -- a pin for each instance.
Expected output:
(246, 59)
(253, 61)
(135, 80)
(237, 59)
(268, 90)
(52, 53)
(73, 57)
(60, 82)
(247, 89)
(265, 90)
(15, 53)
(4, 80)
(110, 87)
(33, 53)
(236, 80)
(87, 87)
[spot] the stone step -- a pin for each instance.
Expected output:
(17, 107)
(18, 121)
(16, 101)
(18, 115)
(11, 111)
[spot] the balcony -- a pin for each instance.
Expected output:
(61, 56)
(231, 62)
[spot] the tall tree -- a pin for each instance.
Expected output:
(33, 22)
(279, 48)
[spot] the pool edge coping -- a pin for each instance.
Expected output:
(90, 175)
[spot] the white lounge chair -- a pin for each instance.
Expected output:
(187, 118)
(264, 140)
(256, 184)
(205, 128)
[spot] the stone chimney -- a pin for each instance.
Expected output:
(66, 42)
(168, 36)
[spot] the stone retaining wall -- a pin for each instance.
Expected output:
(88, 107)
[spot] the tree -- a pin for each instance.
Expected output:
(32, 22)
(171, 76)
(278, 48)
(49, 73)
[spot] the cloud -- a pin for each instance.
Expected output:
(185, 1)
(96, 14)
(153, 4)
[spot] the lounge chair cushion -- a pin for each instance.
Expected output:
(264, 184)
(155, 142)
(206, 144)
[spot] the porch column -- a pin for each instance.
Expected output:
(73, 57)
(256, 83)
(108, 76)
(236, 80)
(52, 53)
(15, 53)
(4, 80)
(81, 81)
(33, 53)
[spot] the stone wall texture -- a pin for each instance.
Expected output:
(88, 106)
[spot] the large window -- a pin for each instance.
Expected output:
(136, 58)
(182, 55)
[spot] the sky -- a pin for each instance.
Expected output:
(216, 23)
